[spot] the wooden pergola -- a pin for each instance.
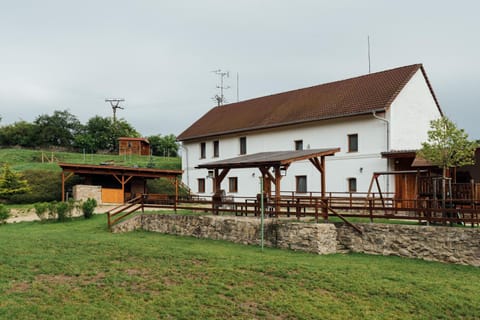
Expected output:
(268, 162)
(121, 174)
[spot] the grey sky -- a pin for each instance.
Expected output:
(158, 55)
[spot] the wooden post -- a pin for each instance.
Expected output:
(323, 182)
(278, 178)
(176, 195)
(63, 186)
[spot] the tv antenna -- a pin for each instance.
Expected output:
(369, 64)
(221, 98)
(115, 104)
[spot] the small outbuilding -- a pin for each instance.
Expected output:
(133, 146)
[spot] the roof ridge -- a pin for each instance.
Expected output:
(418, 65)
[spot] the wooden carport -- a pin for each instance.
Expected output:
(121, 174)
(277, 161)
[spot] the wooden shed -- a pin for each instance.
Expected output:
(134, 146)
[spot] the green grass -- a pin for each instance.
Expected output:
(24, 159)
(78, 270)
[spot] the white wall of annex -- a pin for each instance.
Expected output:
(325, 134)
(410, 114)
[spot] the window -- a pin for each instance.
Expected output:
(202, 150)
(301, 184)
(352, 142)
(243, 145)
(233, 184)
(201, 185)
(352, 184)
(216, 149)
(298, 144)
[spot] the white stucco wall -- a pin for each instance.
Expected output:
(410, 114)
(325, 134)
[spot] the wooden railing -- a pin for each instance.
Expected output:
(458, 211)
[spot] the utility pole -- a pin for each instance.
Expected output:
(221, 98)
(115, 104)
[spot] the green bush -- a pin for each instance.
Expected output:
(4, 213)
(45, 186)
(42, 210)
(88, 207)
(64, 210)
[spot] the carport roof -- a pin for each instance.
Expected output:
(118, 170)
(272, 158)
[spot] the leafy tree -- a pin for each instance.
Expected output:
(11, 183)
(59, 129)
(164, 145)
(20, 133)
(447, 147)
(101, 133)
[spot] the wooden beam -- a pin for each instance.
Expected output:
(64, 179)
(218, 178)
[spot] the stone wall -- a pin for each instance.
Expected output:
(434, 243)
(445, 244)
(315, 238)
(83, 192)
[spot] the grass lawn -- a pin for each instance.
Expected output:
(78, 270)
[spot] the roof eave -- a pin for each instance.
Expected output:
(284, 124)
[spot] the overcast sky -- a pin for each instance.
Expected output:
(158, 55)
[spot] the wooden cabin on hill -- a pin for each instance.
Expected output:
(133, 146)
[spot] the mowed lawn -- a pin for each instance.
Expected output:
(78, 270)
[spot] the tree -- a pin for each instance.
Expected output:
(164, 145)
(447, 147)
(11, 183)
(20, 133)
(59, 129)
(101, 133)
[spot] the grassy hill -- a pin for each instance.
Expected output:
(44, 175)
(23, 159)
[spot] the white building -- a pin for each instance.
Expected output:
(366, 116)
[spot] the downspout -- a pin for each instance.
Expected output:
(388, 145)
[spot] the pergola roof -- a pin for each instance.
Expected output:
(118, 170)
(272, 158)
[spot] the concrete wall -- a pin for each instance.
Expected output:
(444, 244)
(83, 192)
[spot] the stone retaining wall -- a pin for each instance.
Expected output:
(315, 238)
(435, 243)
(445, 244)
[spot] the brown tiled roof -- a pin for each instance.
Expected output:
(355, 96)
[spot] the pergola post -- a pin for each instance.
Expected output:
(278, 178)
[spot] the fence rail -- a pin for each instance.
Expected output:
(454, 211)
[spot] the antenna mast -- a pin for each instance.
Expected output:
(115, 104)
(221, 98)
(368, 43)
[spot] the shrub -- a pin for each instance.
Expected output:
(41, 209)
(52, 209)
(88, 207)
(4, 213)
(64, 210)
